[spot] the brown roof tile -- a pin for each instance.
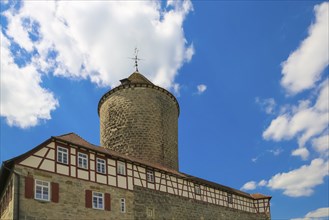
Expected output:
(260, 196)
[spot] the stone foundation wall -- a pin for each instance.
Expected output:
(71, 203)
(170, 207)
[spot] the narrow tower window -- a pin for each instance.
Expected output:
(229, 198)
(122, 205)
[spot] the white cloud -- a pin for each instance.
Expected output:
(201, 88)
(176, 88)
(23, 101)
(254, 159)
(262, 183)
(251, 185)
(320, 213)
(307, 122)
(321, 145)
(97, 45)
(302, 121)
(267, 105)
(301, 181)
(276, 152)
(301, 70)
(302, 152)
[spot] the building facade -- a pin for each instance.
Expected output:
(133, 174)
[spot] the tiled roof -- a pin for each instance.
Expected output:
(77, 140)
(260, 196)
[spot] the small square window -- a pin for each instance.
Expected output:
(83, 160)
(62, 155)
(121, 168)
(197, 189)
(150, 176)
(98, 200)
(122, 205)
(101, 166)
(42, 190)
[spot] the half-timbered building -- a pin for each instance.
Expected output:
(133, 174)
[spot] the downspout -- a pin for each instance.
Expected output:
(18, 191)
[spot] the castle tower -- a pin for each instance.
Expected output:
(140, 119)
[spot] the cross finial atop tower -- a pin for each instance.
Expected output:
(136, 59)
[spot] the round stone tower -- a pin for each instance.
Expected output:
(140, 119)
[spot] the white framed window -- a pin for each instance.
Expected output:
(42, 190)
(150, 176)
(98, 200)
(83, 160)
(121, 168)
(122, 205)
(62, 155)
(100, 166)
(197, 189)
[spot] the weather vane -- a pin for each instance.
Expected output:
(136, 58)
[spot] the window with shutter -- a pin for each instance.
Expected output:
(42, 190)
(88, 198)
(98, 200)
(107, 202)
(29, 186)
(54, 192)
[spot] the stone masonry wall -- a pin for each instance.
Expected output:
(141, 122)
(8, 206)
(71, 203)
(170, 207)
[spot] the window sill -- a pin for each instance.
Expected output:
(42, 200)
(65, 164)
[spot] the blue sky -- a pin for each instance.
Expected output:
(251, 78)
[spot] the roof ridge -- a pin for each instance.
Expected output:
(84, 139)
(65, 134)
(259, 195)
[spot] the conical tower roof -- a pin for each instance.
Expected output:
(136, 78)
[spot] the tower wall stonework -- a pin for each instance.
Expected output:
(141, 121)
